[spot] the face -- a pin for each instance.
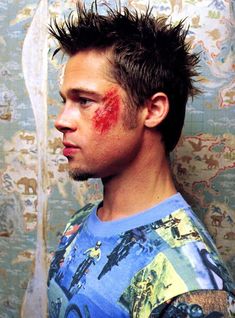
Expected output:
(97, 138)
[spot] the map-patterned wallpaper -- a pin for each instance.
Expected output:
(37, 197)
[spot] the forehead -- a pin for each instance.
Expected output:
(88, 68)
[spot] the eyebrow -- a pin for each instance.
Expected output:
(77, 92)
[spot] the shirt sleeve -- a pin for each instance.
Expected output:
(200, 304)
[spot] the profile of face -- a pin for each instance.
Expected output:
(98, 137)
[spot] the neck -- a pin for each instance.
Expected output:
(146, 183)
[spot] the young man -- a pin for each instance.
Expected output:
(141, 252)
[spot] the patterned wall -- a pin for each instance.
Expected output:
(36, 195)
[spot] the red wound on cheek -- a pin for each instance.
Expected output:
(107, 115)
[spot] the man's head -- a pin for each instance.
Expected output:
(98, 244)
(147, 56)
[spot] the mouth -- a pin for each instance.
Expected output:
(69, 149)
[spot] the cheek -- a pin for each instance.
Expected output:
(107, 115)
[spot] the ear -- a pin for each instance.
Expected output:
(157, 109)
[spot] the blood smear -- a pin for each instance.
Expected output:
(106, 116)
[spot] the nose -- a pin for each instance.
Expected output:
(66, 120)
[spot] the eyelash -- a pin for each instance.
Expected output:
(83, 101)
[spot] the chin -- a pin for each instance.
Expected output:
(79, 175)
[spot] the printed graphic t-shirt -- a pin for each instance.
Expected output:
(129, 267)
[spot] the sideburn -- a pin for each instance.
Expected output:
(130, 114)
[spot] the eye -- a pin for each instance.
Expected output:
(85, 102)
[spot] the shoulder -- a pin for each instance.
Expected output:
(75, 225)
(187, 260)
(195, 250)
(80, 215)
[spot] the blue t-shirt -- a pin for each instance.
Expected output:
(128, 267)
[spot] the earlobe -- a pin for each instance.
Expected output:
(157, 109)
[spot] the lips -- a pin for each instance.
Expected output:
(69, 149)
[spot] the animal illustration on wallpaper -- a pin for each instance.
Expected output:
(217, 219)
(55, 144)
(229, 236)
(5, 106)
(181, 170)
(28, 138)
(29, 184)
(196, 21)
(62, 167)
(176, 3)
(229, 98)
(211, 162)
(197, 146)
(186, 159)
(5, 116)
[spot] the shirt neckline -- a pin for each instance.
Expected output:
(155, 213)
